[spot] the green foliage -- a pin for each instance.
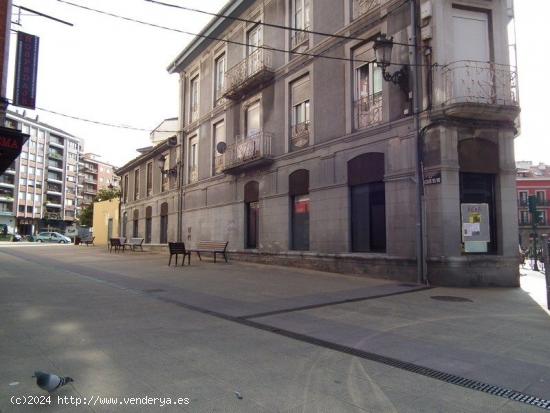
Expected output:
(105, 194)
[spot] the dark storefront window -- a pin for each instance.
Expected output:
(252, 210)
(368, 203)
(164, 223)
(148, 224)
(135, 232)
(299, 204)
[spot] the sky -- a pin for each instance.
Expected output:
(113, 71)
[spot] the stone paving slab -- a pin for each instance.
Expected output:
(69, 316)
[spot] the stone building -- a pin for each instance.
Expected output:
(298, 148)
(533, 180)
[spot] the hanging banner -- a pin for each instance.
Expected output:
(26, 68)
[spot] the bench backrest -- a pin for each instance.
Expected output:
(212, 245)
(115, 242)
(176, 247)
(136, 241)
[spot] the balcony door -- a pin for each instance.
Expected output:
(471, 68)
(253, 53)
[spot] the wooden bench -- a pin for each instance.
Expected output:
(87, 241)
(117, 244)
(177, 248)
(215, 247)
(133, 243)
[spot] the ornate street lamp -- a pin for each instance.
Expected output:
(383, 48)
(170, 172)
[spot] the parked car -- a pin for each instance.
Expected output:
(52, 237)
(16, 238)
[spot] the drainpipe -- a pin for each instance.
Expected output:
(416, 89)
(181, 178)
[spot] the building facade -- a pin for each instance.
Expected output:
(533, 180)
(106, 221)
(39, 191)
(94, 175)
(150, 194)
(295, 148)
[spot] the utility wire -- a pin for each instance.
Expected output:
(276, 26)
(274, 49)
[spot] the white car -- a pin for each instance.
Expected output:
(52, 237)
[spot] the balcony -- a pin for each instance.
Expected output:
(299, 135)
(55, 167)
(249, 74)
(55, 178)
(52, 215)
(55, 155)
(6, 198)
(363, 7)
(6, 183)
(91, 191)
(193, 174)
(7, 210)
(250, 152)
(477, 90)
(299, 38)
(368, 111)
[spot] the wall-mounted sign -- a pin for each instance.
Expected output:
(11, 142)
(476, 231)
(26, 68)
(432, 178)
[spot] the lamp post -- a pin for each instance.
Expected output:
(383, 47)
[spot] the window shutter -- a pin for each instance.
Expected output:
(300, 90)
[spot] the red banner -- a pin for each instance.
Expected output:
(26, 68)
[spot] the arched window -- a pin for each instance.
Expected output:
(135, 232)
(368, 203)
(298, 191)
(478, 161)
(148, 224)
(164, 223)
(252, 211)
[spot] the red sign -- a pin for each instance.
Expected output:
(26, 68)
(8, 143)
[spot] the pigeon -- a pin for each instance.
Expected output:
(238, 395)
(50, 382)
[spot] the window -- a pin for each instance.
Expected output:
(300, 113)
(193, 158)
(125, 188)
(300, 20)
(37, 198)
(23, 181)
(164, 223)
(254, 39)
(252, 214)
(39, 159)
(252, 119)
(219, 136)
(32, 157)
(194, 106)
(69, 202)
(24, 155)
(219, 78)
(136, 184)
(30, 182)
(73, 146)
(523, 217)
(148, 224)
(541, 197)
(542, 218)
(299, 204)
(29, 209)
(40, 148)
(368, 203)
(38, 172)
(368, 81)
(72, 156)
(34, 132)
(23, 169)
(32, 145)
(164, 177)
(41, 136)
(31, 170)
(135, 230)
(21, 195)
(22, 208)
(29, 196)
(149, 178)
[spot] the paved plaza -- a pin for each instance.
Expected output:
(242, 337)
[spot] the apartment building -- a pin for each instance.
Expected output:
(297, 147)
(94, 175)
(533, 180)
(39, 191)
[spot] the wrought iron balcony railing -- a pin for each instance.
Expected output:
(298, 38)
(368, 111)
(362, 7)
(248, 74)
(467, 81)
(299, 135)
(193, 174)
(219, 164)
(247, 152)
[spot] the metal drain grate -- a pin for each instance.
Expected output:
(451, 298)
(154, 290)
